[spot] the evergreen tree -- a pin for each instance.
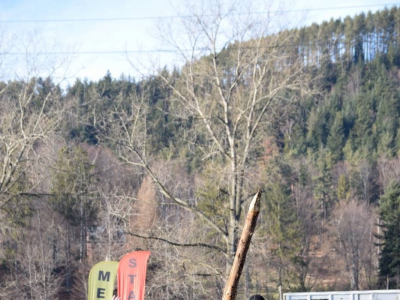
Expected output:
(389, 261)
(72, 188)
(316, 125)
(342, 189)
(336, 138)
(284, 229)
(323, 183)
(362, 131)
(388, 109)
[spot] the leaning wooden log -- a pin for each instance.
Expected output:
(243, 246)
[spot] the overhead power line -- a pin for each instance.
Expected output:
(182, 16)
(94, 52)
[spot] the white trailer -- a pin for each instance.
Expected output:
(345, 295)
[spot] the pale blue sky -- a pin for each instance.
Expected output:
(85, 38)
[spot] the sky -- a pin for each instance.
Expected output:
(84, 39)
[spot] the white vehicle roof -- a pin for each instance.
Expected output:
(346, 295)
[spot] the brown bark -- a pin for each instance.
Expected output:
(243, 247)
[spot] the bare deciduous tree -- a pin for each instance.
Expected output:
(31, 112)
(237, 74)
(352, 227)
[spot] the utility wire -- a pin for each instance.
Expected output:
(95, 52)
(183, 16)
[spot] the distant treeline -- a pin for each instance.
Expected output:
(361, 38)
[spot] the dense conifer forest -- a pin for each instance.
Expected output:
(168, 163)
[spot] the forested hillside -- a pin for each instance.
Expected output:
(168, 163)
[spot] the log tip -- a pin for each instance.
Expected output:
(255, 203)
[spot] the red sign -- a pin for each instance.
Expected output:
(132, 275)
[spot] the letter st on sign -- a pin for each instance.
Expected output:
(132, 264)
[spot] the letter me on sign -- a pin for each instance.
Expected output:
(132, 275)
(102, 280)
